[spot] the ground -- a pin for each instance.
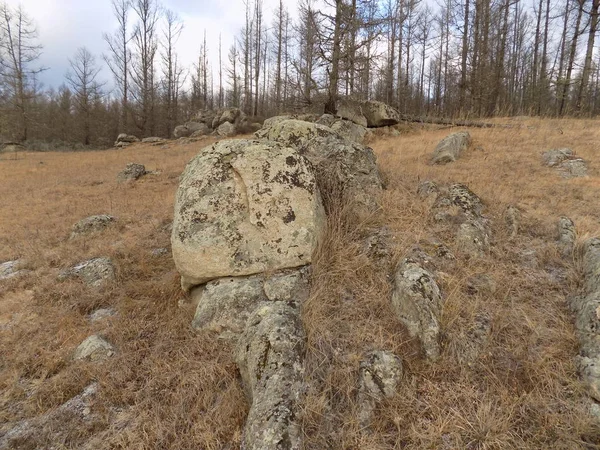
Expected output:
(168, 386)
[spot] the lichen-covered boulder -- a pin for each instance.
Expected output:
(417, 302)
(380, 374)
(473, 238)
(124, 138)
(187, 129)
(92, 224)
(225, 304)
(379, 114)
(270, 357)
(450, 148)
(340, 164)
(469, 202)
(573, 168)
(350, 130)
(226, 129)
(566, 236)
(351, 110)
(245, 207)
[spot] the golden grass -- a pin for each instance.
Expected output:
(170, 387)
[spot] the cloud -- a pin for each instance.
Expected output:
(66, 25)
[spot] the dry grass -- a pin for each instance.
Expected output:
(169, 387)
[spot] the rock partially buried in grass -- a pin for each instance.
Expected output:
(123, 140)
(94, 348)
(417, 301)
(573, 168)
(132, 172)
(270, 357)
(380, 376)
(245, 207)
(566, 236)
(553, 158)
(12, 269)
(450, 148)
(92, 224)
(95, 272)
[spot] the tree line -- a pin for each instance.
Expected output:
(468, 58)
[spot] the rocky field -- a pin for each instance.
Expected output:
(456, 308)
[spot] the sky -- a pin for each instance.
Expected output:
(66, 25)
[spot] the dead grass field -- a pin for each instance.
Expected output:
(171, 387)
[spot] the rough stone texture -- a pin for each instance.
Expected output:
(339, 163)
(380, 374)
(587, 319)
(461, 196)
(226, 129)
(94, 348)
(126, 138)
(473, 238)
(270, 357)
(379, 114)
(566, 236)
(132, 171)
(94, 272)
(573, 168)
(350, 130)
(101, 314)
(351, 110)
(225, 304)
(203, 130)
(553, 158)
(326, 120)
(242, 208)
(417, 301)
(44, 425)
(92, 224)
(450, 148)
(122, 144)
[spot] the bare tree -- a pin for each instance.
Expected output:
(171, 71)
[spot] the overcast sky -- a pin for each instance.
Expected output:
(65, 25)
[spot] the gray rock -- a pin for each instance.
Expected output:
(380, 374)
(379, 114)
(512, 217)
(153, 140)
(11, 269)
(417, 302)
(226, 129)
(94, 272)
(187, 129)
(92, 224)
(122, 144)
(94, 348)
(326, 120)
(203, 131)
(225, 304)
(350, 131)
(159, 252)
(242, 208)
(473, 238)
(132, 172)
(428, 189)
(591, 265)
(461, 196)
(573, 168)
(101, 314)
(553, 158)
(270, 357)
(450, 148)
(126, 138)
(566, 236)
(351, 110)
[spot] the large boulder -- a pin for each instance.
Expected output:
(225, 304)
(378, 114)
(270, 357)
(339, 163)
(351, 110)
(245, 207)
(417, 302)
(350, 130)
(125, 138)
(226, 129)
(450, 148)
(187, 129)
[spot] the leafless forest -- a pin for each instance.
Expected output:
(447, 58)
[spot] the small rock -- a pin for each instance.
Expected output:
(512, 217)
(473, 238)
(427, 189)
(481, 284)
(566, 236)
(552, 158)
(153, 140)
(450, 148)
(380, 375)
(94, 348)
(92, 224)
(10, 269)
(102, 313)
(94, 272)
(159, 252)
(132, 171)
(573, 168)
